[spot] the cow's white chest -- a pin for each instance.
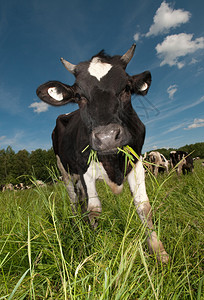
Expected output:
(98, 69)
(97, 171)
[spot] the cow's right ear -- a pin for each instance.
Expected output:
(141, 83)
(56, 93)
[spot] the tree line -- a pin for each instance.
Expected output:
(19, 167)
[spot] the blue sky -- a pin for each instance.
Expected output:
(170, 43)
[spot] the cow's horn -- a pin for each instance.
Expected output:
(129, 54)
(70, 67)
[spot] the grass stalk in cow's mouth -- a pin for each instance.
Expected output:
(130, 157)
(129, 153)
(92, 155)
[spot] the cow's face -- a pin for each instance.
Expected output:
(103, 91)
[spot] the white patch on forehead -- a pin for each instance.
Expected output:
(54, 93)
(98, 69)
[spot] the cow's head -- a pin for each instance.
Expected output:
(103, 91)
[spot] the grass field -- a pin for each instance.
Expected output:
(46, 253)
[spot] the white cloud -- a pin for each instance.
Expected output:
(153, 143)
(197, 123)
(172, 112)
(175, 128)
(2, 138)
(193, 61)
(136, 36)
(172, 89)
(12, 141)
(166, 18)
(176, 46)
(39, 107)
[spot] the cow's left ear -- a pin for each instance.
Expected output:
(56, 93)
(141, 83)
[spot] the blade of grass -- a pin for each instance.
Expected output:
(32, 292)
(146, 269)
(18, 284)
(199, 294)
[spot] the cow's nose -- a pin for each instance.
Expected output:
(107, 138)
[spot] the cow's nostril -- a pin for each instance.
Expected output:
(117, 135)
(98, 138)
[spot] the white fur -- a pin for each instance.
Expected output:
(90, 177)
(53, 92)
(144, 87)
(136, 180)
(94, 172)
(98, 69)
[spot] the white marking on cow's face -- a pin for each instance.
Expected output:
(144, 87)
(98, 69)
(54, 93)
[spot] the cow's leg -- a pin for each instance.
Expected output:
(69, 185)
(156, 171)
(81, 196)
(180, 168)
(136, 180)
(94, 205)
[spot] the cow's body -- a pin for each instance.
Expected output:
(182, 161)
(7, 187)
(19, 186)
(158, 162)
(105, 121)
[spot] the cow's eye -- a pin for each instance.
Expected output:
(82, 101)
(127, 88)
(78, 97)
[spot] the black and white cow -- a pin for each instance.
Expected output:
(7, 187)
(158, 162)
(104, 121)
(182, 161)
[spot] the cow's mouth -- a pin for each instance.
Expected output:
(108, 151)
(100, 152)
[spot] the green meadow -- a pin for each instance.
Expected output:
(47, 253)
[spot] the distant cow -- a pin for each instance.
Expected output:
(19, 186)
(104, 121)
(158, 162)
(7, 187)
(182, 161)
(40, 183)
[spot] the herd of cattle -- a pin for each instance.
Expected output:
(155, 162)
(20, 186)
(181, 161)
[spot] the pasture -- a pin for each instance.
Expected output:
(46, 253)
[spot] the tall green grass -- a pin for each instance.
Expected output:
(47, 253)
